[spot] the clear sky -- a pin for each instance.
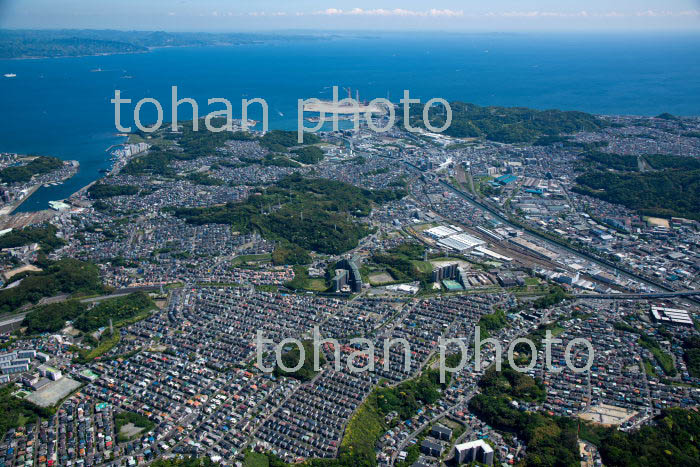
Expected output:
(454, 15)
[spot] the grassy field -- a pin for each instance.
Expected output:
(255, 459)
(22, 420)
(155, 141)
(302, 281)
(128, 425)
(423, 227)
(557, 330)
(443, 258)
(664, 360)
(649, 369)
(481, 181)
(316, 285)
(135, 319)
(423, 266)
(104, 347)
(532, 281)
(243, 259)
(364, 429)
(449, 259)
(380, 278)
(530, 291)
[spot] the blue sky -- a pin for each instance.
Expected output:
(454, 15)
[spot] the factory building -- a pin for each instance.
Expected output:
(461, 242)
(442, 231)
(671, 316)
(534, 248)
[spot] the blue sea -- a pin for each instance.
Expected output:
(61, 107)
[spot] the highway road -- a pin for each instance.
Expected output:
(639, 296)
(11, 323)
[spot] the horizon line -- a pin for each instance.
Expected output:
(688, 31)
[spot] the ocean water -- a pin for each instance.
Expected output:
(61, 107)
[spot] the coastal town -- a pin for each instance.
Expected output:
(130, 309)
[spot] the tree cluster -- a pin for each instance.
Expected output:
(313, 214)
(44, 235)
(507, 124)
(67, 276)
(105, 190)
(24, 173)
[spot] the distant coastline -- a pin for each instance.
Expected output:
(102, 54)
(105, 54)
(80, 121)
(41, 44)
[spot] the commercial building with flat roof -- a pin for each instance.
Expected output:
(442, 231)
(452, 286)
(671, 316)
(461, 242)
(506, 179)
(534, 248)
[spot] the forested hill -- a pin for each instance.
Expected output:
(75, 42)
(313, 214)
(24, 173)
(62, 47)
(507, 124)
(670, 188)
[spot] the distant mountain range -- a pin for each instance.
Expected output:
(74, 43)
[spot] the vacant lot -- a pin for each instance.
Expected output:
(439, 262)
(608, 415)
(380, 278)
(53, 392)
(129, 430)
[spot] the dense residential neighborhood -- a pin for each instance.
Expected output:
(132, 309)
